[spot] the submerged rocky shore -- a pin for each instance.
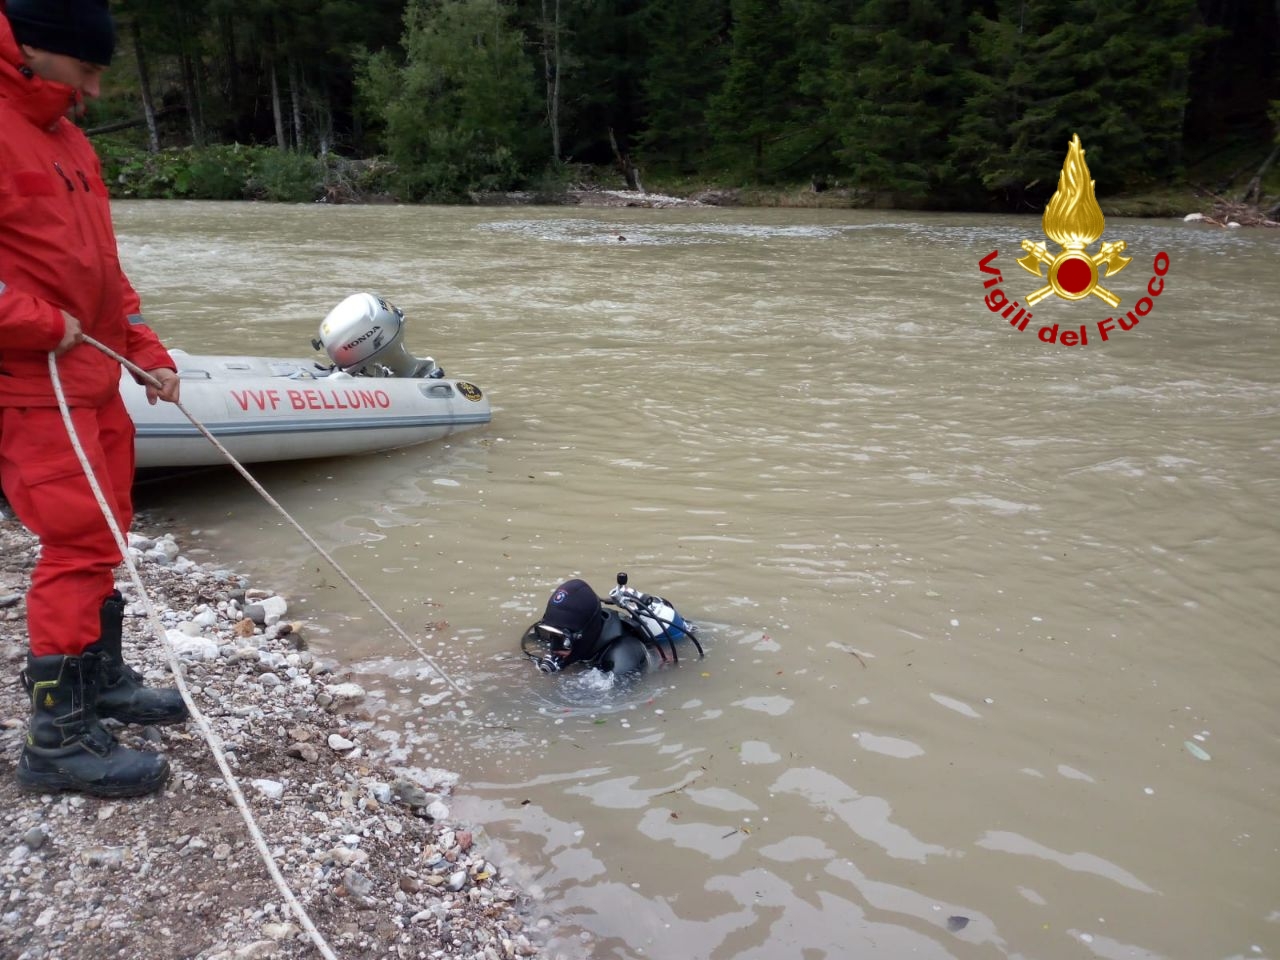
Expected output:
(370, 850)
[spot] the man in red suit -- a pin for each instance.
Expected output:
(60, 279)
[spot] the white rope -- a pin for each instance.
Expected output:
(210, 736)
(364, 595)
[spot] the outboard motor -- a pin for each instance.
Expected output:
(364, 336)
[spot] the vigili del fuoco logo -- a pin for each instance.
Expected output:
(1073, 221)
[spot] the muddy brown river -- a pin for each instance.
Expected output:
(992, 660)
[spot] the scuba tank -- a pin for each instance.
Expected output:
(656, 615)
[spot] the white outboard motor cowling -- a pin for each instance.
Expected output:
(364, 336)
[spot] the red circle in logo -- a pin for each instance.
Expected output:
(1075, 274)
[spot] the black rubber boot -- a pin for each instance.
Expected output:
(122, 695)
(67, 746)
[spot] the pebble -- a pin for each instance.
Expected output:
(192, 647)
(303, 751)
(411, 794)
(261, 950)
(345, 856)
(410, 884)
(358, 886)
(205, 619)
(105, 856)
(345, 691)
(273, 609)
(438, 810)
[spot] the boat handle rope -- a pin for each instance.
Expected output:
(206, 731)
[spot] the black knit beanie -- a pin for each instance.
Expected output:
(77, 28)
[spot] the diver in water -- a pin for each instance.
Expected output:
(623, 639)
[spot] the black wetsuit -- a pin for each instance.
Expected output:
(620, 647)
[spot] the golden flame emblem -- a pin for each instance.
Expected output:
(1073, 220)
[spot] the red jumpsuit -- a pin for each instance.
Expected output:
(58, 252)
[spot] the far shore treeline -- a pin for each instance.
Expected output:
(943, 104)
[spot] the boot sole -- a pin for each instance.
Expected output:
(50, 782)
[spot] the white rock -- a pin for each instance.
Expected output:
(193, 648)
(271, 789)
(208, 618)
(345, 856)
(437, 810)
(273, 609)
(345, 691)
(339, 743)
(1192, 217)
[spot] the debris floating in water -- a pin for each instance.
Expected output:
(1196, 750)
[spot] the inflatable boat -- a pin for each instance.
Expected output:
(372, 396)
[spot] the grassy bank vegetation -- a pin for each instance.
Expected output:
(262, 173)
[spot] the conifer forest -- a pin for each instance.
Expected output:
(938, 103)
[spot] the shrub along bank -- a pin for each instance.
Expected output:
(240, 172)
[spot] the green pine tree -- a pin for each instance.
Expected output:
(766, 119)
(1114, 72)
(685, 67)
(461, 113)
(895, 93)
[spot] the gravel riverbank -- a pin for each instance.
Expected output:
(370, 850)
